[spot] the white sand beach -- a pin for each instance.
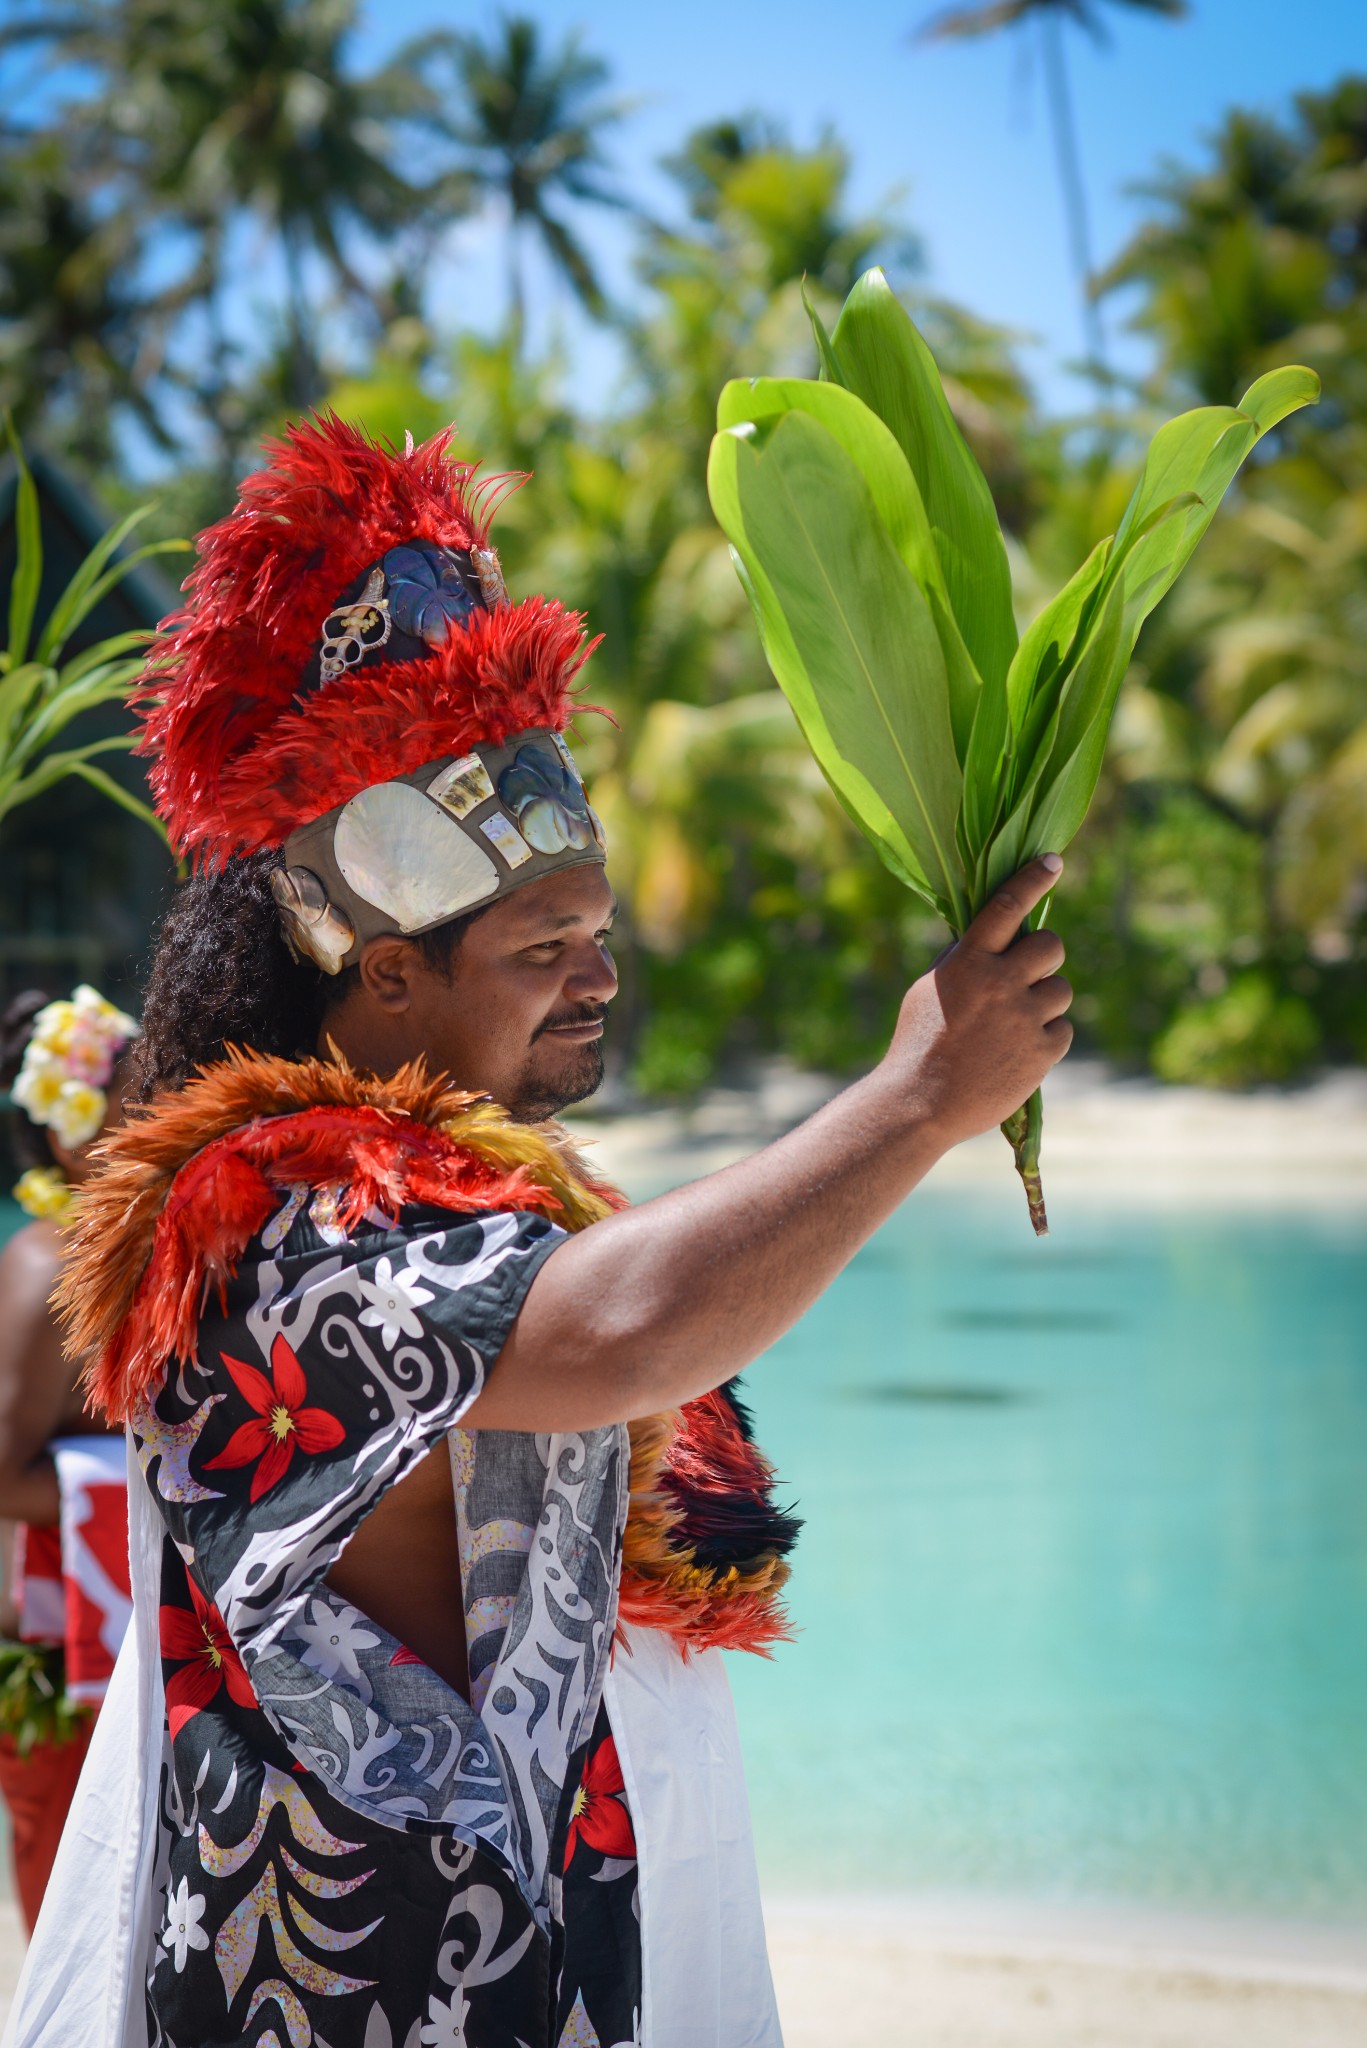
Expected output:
(927, 1979)
(1104, 1139)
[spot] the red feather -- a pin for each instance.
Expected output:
(238, 760)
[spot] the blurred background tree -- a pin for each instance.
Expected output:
(1050, 18)
(1216, 903)
(529, 125)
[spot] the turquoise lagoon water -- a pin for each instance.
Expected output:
(1082, 1593)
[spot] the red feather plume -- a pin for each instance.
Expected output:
(239, 759)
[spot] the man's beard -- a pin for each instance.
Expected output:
(540, 1094)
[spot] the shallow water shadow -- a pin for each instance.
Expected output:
(1031, 1319)
(900, 1391)
(1080, 1259)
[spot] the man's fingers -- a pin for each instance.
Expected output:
(1054, 995)
(1059, 1036)
(1038, 954)
(999, 920)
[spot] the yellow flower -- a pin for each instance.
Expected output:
(93, 1008)
(39, 1082)
(78, 1112)
(42, 1191)
(53, 1026)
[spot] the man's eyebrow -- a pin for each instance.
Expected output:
(559, 924)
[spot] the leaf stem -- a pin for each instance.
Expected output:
(1023, 1133)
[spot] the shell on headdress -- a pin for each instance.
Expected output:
(547, 798)
(405, 855)
(315, 929)
(428, 593)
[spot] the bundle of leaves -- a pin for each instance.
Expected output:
(866, 539)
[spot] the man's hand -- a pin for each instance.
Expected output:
(979, 1031)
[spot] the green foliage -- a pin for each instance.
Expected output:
(77, 334)
(34, 1707)
(1164, 899)
(1228, 834)
(866, 540)
(877, 572)
(40, 694)
(1251, 1033)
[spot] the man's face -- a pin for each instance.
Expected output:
(521, 1017)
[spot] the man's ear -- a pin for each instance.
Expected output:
(385, 968)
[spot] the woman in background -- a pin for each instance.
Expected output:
(62, 1483)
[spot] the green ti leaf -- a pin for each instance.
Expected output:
(856, 796)
(1067, 675)
(831, 372)
(883, 359)
(885, 470)
(848, 633)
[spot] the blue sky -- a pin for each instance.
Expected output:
(961, 128)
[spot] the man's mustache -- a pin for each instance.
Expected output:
(582, 1013)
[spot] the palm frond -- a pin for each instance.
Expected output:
(959, 24)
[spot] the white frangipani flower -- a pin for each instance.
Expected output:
(444, 2026)
(184, 1911)
(392, 1303)
(331, 1641)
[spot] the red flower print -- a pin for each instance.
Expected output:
(282, 1420)
(599, 1817)
(202, 1638)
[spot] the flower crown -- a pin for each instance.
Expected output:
(67, 1064)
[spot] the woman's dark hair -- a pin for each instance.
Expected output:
(223, 975)
(28, 1140)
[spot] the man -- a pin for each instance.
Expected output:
(437, 1749)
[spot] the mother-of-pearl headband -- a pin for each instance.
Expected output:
(409, 854)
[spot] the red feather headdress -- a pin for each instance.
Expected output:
(244, 750)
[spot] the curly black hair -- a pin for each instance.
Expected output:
(223, 975)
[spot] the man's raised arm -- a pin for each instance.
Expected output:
(661, 1303)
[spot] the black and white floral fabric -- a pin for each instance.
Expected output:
(350, 1854)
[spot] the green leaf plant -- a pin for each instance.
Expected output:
(40, 694)
(866, 539)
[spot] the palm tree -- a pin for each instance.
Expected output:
(790, 202)
(259, 113)
(216, 111)
(1259, 253)
(78, 338)
(529, 123)
(961, 23)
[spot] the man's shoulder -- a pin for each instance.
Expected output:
(193, 1180)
